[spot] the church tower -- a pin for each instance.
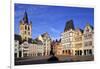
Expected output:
(25, 28)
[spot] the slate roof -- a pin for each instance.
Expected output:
(18, 37)
(25, 18)
(69, 25)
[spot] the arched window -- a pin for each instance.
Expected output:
(84, 52)
(25, 27)
(69, 52)
(25, 38)
(63, 51)
(90, 52)
(28, 28)
(28, 33)
(80, 52)
(66, 51)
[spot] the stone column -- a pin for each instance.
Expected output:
(18, 54)
(22, 52)
(46, 47)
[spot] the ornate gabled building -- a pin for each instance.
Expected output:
(58, 47)
(88, 36)
(46, 43)
(67, 38)
(46, 40)
(25, 27)
(78, 42)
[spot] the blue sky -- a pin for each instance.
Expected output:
(52, 19)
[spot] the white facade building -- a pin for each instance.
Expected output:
(24, 48)
(77, 42)
(16, 51)
(33, 50)
(40, 50)
(88, 41)
(46, 40)
(67, 42)
(36, 49)
(67, 38)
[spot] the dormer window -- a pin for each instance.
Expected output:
(87, 30)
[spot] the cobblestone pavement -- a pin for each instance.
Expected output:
(44, 59)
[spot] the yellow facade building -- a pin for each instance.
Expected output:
(25, 28)
(58, 48)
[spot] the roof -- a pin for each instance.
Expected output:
(69, 25)
(80, 30)
(44, 34)
(90, 26)
(30, 40)
(37, 41)
(40, 42)
(18, 37)
(25, 18)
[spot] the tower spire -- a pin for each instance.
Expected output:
(25, 18)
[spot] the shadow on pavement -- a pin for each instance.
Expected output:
(53, 59)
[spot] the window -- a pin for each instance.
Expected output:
(25, 38)
(90, 52)
(80, 52)
(87, 30)
(15, 45)
(80, 38)
(69, 52)
(66, 51)
(63, 51)
(90, 43)
(89, 35)
(75, 52)
(71, 34)
(25, 27)
(25, 32)
(86, 43)
(28, 28)
(15, 49)
(28, 33)
(84, 52)
(86, 36)
(78, 45)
